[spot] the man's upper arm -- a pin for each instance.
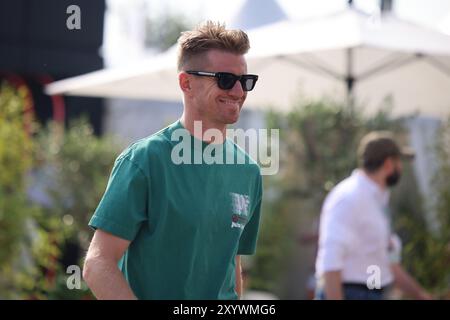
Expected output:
(336, 233)
(107, 246)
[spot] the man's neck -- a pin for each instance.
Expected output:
(377, 177)
(198, 126)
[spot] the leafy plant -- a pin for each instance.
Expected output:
(427, 250)
(317, 150)
(162, 32)
(15, 161)
(75, 166)
(78, 163)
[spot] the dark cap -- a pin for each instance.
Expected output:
(376, 146)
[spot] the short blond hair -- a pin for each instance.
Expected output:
(208, 36)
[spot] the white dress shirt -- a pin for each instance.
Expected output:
(354, 231)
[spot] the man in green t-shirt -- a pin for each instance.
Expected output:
(180, 208)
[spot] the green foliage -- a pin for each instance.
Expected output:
(427, 251)
(269, 261)
(317, 150)
(442, 180)
(15, 161)
(73, 169)
(163, 32)
(80, 164)
(77, 163)
(61, 292)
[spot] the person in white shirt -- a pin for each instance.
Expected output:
(358, 256)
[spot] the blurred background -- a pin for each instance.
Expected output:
(330, 71)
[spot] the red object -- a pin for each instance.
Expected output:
(59, 108)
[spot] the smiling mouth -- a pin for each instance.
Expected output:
(230, 102)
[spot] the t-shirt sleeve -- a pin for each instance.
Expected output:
(123, 207)
(249, 237)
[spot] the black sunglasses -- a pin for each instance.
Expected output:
(226, 80)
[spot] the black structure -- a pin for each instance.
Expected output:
(37, 47)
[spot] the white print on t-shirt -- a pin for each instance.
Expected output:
(240, 204)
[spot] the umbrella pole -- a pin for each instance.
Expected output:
(350, 80)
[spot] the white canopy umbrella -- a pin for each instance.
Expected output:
(347, 54)
(255, 13)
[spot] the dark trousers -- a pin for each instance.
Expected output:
(356, 291)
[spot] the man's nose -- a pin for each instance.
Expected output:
(237, 90)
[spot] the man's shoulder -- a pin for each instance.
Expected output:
(243, 163)
(345, 193)
(242, 155)
(155, 145)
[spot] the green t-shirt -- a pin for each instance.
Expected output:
(186, 222)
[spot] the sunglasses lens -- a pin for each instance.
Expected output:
(248, 82)
(227, 81)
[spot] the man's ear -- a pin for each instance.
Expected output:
(389, 164)
(184, 82)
